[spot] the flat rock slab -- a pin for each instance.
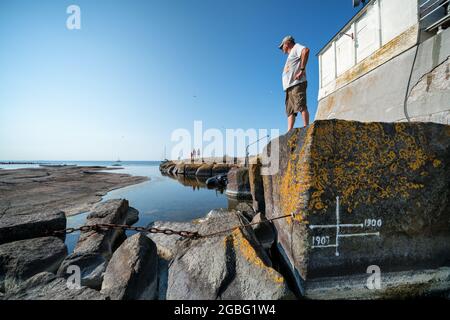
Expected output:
(71, 189)
(23, 259)
(29, 225)
(132, 273)
(230, 266)
(47, 286)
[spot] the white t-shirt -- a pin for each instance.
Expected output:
(292, 67)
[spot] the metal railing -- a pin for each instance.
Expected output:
(433, 11)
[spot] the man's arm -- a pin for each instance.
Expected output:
(304, 60)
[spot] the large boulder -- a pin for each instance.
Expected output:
(220, 168)
(361, 194)
(168, 246)
(191, 169)
(205, 170)
(132, 272)
(238, 185)
(166, 166)
(46, 286)
(179, 168)
(15, 227)
(132, 216)
(94, 248)
(23, 259)
(231, 265)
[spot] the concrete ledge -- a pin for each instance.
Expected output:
(394, 285)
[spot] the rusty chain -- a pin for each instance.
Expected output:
(185, 234)
(108, 226)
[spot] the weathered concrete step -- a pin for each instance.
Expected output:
(391, 285)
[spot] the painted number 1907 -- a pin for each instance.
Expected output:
(321, 240)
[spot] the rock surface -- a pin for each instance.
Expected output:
(191, 169)
(205, 170)
(264, 231)
(14, 227)
(230, 266)
(393, 184)
(168, 246)
(393, 285)
(256, 186)
(132, 216)
(94, 249)
(71, 189)
(23, 259)
(246, 208)
(46, 286)
(179, 168)
(220, 168)
(132, 272)
(238, 183)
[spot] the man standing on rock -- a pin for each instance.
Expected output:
(294, 80)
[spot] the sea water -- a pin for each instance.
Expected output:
(162, 198)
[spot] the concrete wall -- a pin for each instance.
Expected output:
(371, 38)
(378, 95)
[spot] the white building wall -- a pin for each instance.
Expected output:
(345, 52)
(396, 17)
(380, 23)
(328, 66)
(367, 39)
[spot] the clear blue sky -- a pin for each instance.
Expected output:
(127, 79)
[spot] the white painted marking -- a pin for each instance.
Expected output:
(328, 246)
(333, 226)
(338, 226)
(359, 235)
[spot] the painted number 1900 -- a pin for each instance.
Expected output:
(373, 223)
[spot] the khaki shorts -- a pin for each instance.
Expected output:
(296, 99)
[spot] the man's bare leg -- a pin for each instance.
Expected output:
(291, 122)
(305, 116)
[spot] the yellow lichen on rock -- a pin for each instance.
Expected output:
(361, 163)
(296, 181)
(437, 163)
(248, 252)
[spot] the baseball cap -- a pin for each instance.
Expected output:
(286, 39)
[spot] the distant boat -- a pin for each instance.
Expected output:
(117, 163)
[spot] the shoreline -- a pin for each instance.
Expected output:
(71, 189)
